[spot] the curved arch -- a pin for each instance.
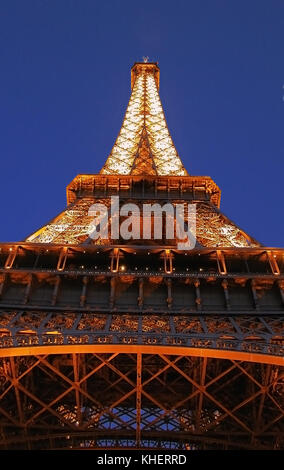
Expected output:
(143, 349)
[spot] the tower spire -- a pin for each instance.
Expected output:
(144, 144)
(143, 150)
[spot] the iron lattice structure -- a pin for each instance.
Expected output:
(144, 145)
(114, 343)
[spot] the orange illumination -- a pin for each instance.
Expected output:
(144, 144)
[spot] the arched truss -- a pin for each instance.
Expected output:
(149, 396)
(241, 336)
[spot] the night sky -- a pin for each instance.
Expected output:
(65, 83)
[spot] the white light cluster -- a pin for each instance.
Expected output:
(123, 152)
(165, 155)
(144, 111)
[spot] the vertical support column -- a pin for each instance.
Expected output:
(2, 284)
(203, 365)
(141, 292)
(55, 290)
(169, 297)
(28, 289)
(197, 294)
(36, 260)
(84, 291)
(226, 293)
(138, 399)
(76, 371)
(112, 292)
(254, 294)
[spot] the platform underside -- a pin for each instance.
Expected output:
(139, 400)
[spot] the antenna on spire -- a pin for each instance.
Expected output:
(145, 59)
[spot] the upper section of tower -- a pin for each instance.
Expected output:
(144, 145)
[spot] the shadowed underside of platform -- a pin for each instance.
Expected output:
(99, 351)
(139, 400)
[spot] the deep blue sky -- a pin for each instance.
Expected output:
(65, 83)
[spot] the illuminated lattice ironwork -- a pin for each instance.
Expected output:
(213, 229)
(71, 226)
(247, 333)
(137, 344)
(144, 145)
(90, 400)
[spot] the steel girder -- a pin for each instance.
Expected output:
(248, 334)
(139, 400)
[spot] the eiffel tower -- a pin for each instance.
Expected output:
(114, 343)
